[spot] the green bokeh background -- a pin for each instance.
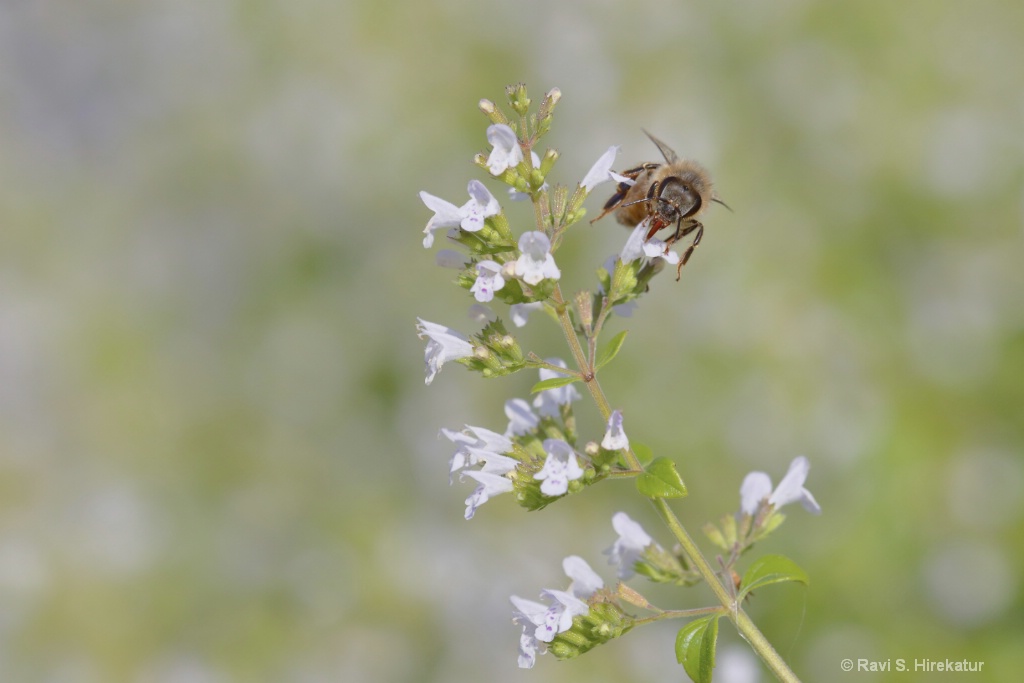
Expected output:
(218, 458)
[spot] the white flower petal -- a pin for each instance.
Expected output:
(521, 419)
(481, 314)
(630, 545)
(536, 263)
(481, 205)
(791, 488)
(615, 438)
(492, 441)
(488, 280)
(634, 247)
(655, 248)
(446, 215)
(560, 467)
(520, 312)
(506, 150)
(788, 489)
(600, 172)
(449, 258)
(622, 179)
(490, 485)
(585, 581)
(528, 647)
(444, 344)
(756, 487)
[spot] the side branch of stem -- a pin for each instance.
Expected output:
(743, 623)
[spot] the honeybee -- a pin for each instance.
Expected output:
(675, 192)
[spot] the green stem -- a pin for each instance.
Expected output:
(743, 623)
(589, 377)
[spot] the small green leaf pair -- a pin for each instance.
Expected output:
(607, 354)
(696, 642)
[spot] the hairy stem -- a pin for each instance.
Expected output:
(743, 623)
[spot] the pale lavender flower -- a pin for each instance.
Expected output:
(536, 262)
(600, 172)
(560, 467)
(475, 445)
(541, 623)
(490, 485)
(629, 546)
(488, 280)
(470, 216)
(521, 418)
(656, 248)
(481, 314)
(449, 258)
(757, 487)
(507, 152)
(521, 312)
(528, 614)
(585, 581)
(615, 438)
(634, 246)
(444, 344)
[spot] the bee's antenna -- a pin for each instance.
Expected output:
(719, 201)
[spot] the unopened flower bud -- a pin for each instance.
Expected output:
(518, 99)
(492, 112)
(631, 596)
(536, 177)
(584, 305)
(547, 107)
(548, 162)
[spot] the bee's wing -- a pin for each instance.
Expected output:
(666, 151)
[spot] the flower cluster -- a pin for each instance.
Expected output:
(540, 457)
(535, 456)
(573, 621)
(760, 508)
(496, 264)
(756, 491)
(541, 623)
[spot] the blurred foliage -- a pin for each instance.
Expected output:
(217, 455)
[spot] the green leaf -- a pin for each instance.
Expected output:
(642, 452)
(553, 383)
(661, 480)
(611, 350)
(695, 648)
(771, 569)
